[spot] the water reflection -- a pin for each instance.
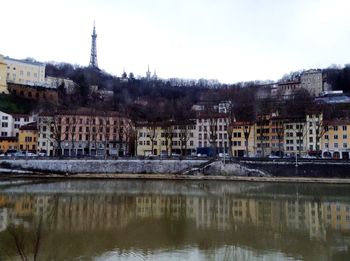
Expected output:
(156, 220)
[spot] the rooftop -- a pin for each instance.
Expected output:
(27, 61)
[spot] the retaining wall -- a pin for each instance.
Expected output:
(102, 166)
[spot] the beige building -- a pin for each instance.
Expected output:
(3, 73)
(336, 139)
(27, 72)
(166, 139)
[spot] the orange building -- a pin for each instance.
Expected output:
(28, 137)
(8, 143)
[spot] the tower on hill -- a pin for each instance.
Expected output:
(93, 57)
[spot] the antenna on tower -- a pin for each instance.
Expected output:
(93, 56)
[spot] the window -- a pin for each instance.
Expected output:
(326, 137)
(345, 136)
(335, 145)
(311, 139)
(335, 136)
(345, 128)
(335, 128)
(4, 124)
(3, 134)
(345, 145)
(5, 117)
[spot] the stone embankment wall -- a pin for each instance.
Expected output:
(306, 168)
(281, 168)
(102, 166)
(230, 169)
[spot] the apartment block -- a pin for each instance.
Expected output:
(85, 132)
(335, 140)
(166, 139)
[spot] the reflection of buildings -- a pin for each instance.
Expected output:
(337, 215)
(91, 212)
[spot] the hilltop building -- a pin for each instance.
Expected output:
(27, 72)
(3, 73)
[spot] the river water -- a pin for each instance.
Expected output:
(173, 220)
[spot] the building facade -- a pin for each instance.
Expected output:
(26, 72)
(312, 81)
(212, 132)
(243, 139)
(28, 137)
(3, 75)
(87, 132)
(335, 141)
(166, 139)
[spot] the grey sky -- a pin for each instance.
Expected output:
(231, 41)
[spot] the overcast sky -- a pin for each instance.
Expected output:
(228, 40)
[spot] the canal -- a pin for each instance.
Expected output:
(173, 220)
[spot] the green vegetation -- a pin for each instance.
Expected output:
(13, 104)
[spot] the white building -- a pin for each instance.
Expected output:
(6, 125)
(295, 131)
(314, 132)
(312, 80)
(212, 132)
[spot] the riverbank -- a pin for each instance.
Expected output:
(237, 170)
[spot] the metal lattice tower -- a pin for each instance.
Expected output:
(93, 57)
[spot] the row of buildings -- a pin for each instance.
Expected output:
(89, 132)
(67, 133)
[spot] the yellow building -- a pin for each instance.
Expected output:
(3, 85)
(277, 136)
(243, 135)
(335, 141)
(8, 143)
(28, 137)
(151, 141)
(27, 72)
(262, 145)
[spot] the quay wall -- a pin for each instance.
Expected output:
(310, 168)
(248, 168)
(102, 166)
